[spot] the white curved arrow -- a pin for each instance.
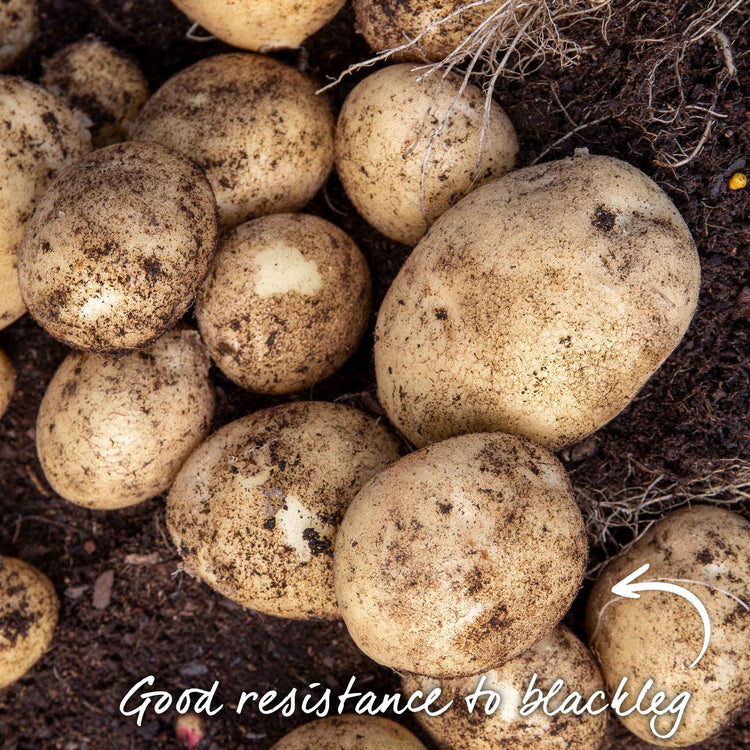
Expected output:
(628, 589)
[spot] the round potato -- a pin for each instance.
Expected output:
(255, 509)
(706, 550)
(18, 23)
(28, 615)
(460, 556)
(539, 305)
(399, 167)
(285, 303)
(7, 381)
(559, 656)
(96, 79)
(112, 432)
(118, 246)
(255, 125)
(40, 136)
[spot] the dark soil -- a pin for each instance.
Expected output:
(159, 621)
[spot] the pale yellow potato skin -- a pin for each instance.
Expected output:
(18, 24)
(118, 247)
(384, 144)
(114, 431)
(254, 510)
(539, 305)
(255, 126)
(285, 303)
(99, 81)
(29, 606)
(261, 25)
(659, 635)
(44, 136)
(7, 381)
(460, 556)
(558, 656)
(350, 732)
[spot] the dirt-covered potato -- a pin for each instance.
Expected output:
(255, 125)
(261, 25)
(255, 509)
(118, 246)
(398, 170)
(99, 81)
(559, 656)
(18, 22)
(7, 381)
(539, 305)
(40, 136)
(28, 615)
(285, 303)
(460, 556)
(706, 550)
(114, 431)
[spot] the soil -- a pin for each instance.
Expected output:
(156, 620)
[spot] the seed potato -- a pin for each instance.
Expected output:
(7, 381)
(255, 125)
(18, 24)
(460, 556)
(539, 305)
(118, 246)
(255, 509)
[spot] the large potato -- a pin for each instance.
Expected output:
(40, 136)
(7, 381)
(28, 615)
(705, 550)
(118, 246)
(460, 556)
(112, 432)
(255, 125)
(255, 509)
(397, 170)
(539, 305)
(18, 22)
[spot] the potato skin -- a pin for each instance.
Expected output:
(226, 113)
(383, 135)
(255, 509)
(460, 556)
(118, 246)
(7, 381)
(18, 24)
(539, 305)
(43, 137)
(112, 432)
(560, 655)
(28, 616)
(285, 303)
(659, 635)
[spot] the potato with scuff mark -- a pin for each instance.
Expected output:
(18, 24)
(7, 381)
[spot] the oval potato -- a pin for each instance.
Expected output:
(7, 381)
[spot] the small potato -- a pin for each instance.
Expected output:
(255, 509)
(118, 246)
(460, 556)
(96, 79)
(350, 732)
(285, 303)
(401, 174)
(255, 125)
(40, 136)
(559, 656)
(18, 24)
(28, 615)
(706, 550)
(7, 381)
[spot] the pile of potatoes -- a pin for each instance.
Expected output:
(535, 304)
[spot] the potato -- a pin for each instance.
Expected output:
(261, 25)
(7, 381)
(255, 125)
(350, 732)
(255, 509)
(558, 656)
(706, 550)
(285, 303)
(539, 305)
(18, 23)
(28, 615)
(385, 132)
(118, 246)
(96, 79)
(460, 556)
(112, 432)
(40, 136)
